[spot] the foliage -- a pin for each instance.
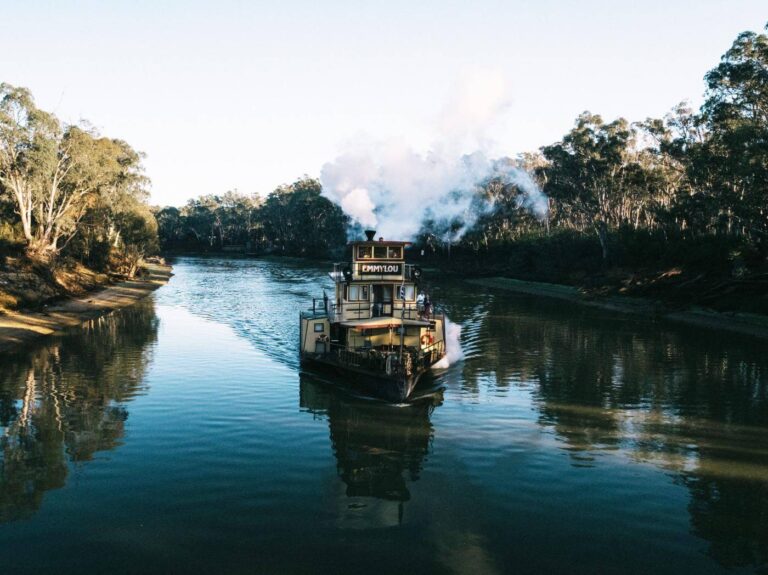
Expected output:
(294, 220)
(687, 189)
(663, 191)
(69, 190)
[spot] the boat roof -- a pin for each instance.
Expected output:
(378, 322)
(380, 243)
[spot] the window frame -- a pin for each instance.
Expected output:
(362, 291)
(408, 287)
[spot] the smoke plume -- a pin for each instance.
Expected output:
(394, 188)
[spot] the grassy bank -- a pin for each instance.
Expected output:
(748, 323)
(704, 272)
(21, 326)
(28, 283)
(41, 296)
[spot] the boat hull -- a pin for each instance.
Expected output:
(368, 383)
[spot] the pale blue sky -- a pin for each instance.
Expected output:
(249, 95)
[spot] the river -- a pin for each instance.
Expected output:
(180, 436)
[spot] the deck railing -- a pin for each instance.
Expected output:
(385, 359)
(347, 311)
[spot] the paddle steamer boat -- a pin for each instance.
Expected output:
(375, 330)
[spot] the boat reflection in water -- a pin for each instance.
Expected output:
(64, 400)
(380, 448)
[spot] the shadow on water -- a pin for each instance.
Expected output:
(685, 400)
(64, 400)
(568, 440)
(379, 448)
(604, 387)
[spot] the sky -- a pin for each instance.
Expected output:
(251, 95)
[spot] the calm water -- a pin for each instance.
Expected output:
(179, 436)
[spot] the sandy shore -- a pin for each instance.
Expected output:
(17, 328)
(751, 324)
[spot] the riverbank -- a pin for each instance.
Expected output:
(22, 326)
(746, 323)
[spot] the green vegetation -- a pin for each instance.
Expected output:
(294, 220)
(676, 207)
(672, 207)
(71, 203)
(68, 191)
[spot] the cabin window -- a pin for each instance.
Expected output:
(380, 252)
(364, 252)
(395, 253)
(410, 292)
(357, 293)
(319, 327)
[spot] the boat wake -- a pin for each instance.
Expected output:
(454, 352)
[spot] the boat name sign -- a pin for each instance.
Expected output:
(380, 269)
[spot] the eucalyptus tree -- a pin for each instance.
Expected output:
(298, 220)
(237, 216)
(109, 171)
(736, 116)
(502, 208)
(56, 175)
(589, 173)
(679, 177)
(202, 220)
(32, 161)
(170, 226)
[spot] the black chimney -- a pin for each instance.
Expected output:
(370, 234)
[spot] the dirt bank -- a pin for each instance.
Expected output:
(747, 323)
(19, 327)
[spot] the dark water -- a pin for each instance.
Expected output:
(178, 436)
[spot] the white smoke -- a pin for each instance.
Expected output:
(532, 198)
(357, 203)
(392, 188)
(453, 349)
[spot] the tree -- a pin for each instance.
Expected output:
(170, 226)
(56, 174)
(28, 155)
(236, 216)
(589, 172)
(736, 116)
(298, 220)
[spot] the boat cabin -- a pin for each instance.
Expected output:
(377, 283)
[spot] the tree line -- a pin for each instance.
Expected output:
(693, 183)
(692, 177)
(293, 220)
(67, 191)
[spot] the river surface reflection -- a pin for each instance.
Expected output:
(180, 435)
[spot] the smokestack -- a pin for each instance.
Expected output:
(370, 234)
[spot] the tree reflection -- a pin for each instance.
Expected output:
(65, 400)
(690, 401)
